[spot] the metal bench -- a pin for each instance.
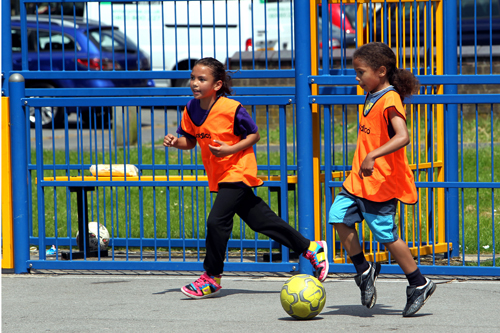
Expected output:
(87, 184)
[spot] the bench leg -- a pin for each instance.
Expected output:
(83, 227)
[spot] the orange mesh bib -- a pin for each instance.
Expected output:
(392, 177)
(219, 125)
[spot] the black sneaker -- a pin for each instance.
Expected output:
(417, 296)
(366, 282)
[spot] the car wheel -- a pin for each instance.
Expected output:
(182, 83)
(47, 113)
(101, 117)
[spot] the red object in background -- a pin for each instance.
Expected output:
(248, 44)
(95, 64)
(340, 19)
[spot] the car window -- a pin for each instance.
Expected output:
(112, 40)
(482, 8)
(45, 39)
(351, 12)
(16, 41)
(45, 8)
(333, 30)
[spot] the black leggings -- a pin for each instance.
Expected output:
(256, 214)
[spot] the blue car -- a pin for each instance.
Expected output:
(51, 47)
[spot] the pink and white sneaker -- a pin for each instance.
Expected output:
(205, 286)
(317, 253)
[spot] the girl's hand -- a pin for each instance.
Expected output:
(170, 140)
(221, 150)
(366, 168)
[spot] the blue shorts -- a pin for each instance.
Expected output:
(379, 216)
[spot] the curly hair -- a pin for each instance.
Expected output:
(219, 73)
(379, 54)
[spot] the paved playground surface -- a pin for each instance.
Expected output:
(249, 302)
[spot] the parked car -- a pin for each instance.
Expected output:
(340, 28)
(481, 29)
(343, 23)
(67, 45)
(336, 36)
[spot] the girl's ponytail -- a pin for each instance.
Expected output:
(404, 82)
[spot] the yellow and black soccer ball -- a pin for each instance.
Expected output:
(303, 296)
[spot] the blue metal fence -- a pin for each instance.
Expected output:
(153, 218)
(435, 229)
(157, 220)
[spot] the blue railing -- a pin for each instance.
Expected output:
(267, 46)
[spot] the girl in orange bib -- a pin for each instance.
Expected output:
(380, 175)
(226, 135)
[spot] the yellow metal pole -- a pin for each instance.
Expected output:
(7, 236)
(440, 120)
(315, 121)
(397, 36)
(359, 24)
(363, 34)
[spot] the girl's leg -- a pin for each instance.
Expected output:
(219, 226)
(420, 288)
(260, 218)
(345, 212)
(349, 239)
(401, 253)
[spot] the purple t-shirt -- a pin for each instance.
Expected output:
(243, 123)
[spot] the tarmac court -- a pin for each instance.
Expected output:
(248, 302)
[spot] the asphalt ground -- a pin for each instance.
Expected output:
(248, 302)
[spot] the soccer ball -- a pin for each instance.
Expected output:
(303, 296)
(93, 242)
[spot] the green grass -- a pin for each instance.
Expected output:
(187, 207)
(479, 209)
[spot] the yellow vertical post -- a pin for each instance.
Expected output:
(359, 18)
(315, 121)
(412, 33)
(397, 35)
(362, 37)
(440, 121)
(7, 235)
(403, 43)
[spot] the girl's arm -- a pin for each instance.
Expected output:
(183, 142)
(222, 149)
(400, 140)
